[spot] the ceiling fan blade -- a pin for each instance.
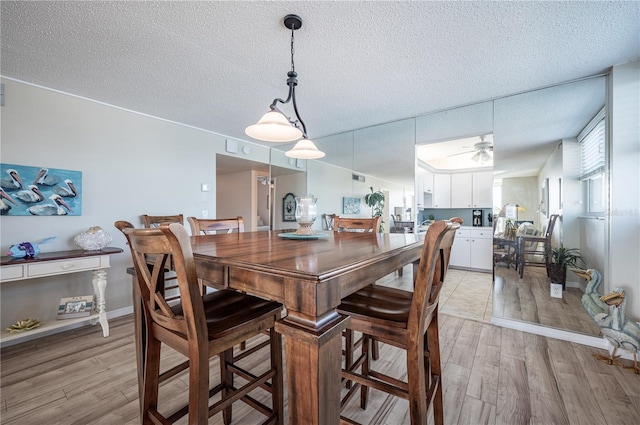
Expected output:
(460, 153)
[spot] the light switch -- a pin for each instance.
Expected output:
(204, 187)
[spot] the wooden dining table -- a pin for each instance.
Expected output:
(309, 277)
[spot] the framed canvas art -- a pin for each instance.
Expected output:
(350, 205)
(289, 207)
(40, 191)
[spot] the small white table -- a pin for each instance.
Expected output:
(58, 263)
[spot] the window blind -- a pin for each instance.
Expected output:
(592, 147)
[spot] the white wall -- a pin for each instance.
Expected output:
(235, 197)
(331, 183)
(131, 164)
(624, 213)
(522, 191)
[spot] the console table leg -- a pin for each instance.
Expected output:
(99, 287)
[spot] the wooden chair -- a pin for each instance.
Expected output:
(343, 224)
(536, 250)
(211, 226)
(364, 225)
(171, 284)
(408, 320)
(150, 221)
(199, 327)
(328, 220)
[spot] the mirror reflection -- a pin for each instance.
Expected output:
(545, 200)
(511, 168)
(360, 162)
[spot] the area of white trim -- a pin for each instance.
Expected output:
(591, 341)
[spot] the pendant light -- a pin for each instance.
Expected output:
(275, 126)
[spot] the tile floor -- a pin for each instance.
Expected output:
(465, 294)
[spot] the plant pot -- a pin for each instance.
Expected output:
(558, 274)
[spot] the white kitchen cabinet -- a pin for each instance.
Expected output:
(472, 248)
(419, 192)
(461, 190)
(424, 188)
(441, 191)
(428, 181)
(482, 189)
(460, 250)
(481, 248)
(472, 190)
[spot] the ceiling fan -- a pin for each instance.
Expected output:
(481, 150)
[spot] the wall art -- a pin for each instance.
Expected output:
(28, 190)
(350, 205)
(289, 207)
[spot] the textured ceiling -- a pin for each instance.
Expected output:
(218, 65)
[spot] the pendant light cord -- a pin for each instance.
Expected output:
(293, 67)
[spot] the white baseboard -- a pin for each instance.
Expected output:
(592, 341)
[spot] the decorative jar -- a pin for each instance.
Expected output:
(94, 239)
(306, 214)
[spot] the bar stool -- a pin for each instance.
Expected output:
(407, 320)
(199, 327)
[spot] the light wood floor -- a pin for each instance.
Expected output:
(528, 299)
(491, 375)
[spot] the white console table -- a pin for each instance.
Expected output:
(58, 263)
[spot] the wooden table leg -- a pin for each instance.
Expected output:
(313, 362)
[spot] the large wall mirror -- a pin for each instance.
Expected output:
(379, 157)
(535, 140)
(539, 137)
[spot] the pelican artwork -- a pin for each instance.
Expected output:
(31, 195)
(13, 182)
(4, 207)
(617, 329)
(45, 179)
(591, 297)
(57, 207)
(68, 190)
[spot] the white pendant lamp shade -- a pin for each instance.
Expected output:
(273, 127)
(305, 149)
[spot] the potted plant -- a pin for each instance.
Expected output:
(432, 218)
(561, 258)
(375, 200)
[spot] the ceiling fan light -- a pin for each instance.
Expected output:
(477, 156)
(305, 149)
(274, 127)
(485, 157)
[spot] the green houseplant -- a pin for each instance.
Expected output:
(561, 258)
(375, 200)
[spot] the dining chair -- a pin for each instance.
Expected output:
(328, 220)
(535, 250)
(171, 285)
(364, 225)
(199, 327)
(150, 221)
(344, 224)
(212, 226)
(407, 320)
